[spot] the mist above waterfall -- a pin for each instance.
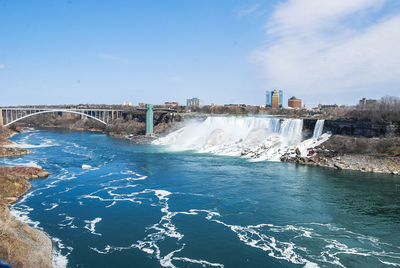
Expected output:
(258, 138)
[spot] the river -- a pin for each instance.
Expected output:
(148, 206)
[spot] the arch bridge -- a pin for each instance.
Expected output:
(10, 115)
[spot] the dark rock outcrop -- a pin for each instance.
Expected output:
(356, 128)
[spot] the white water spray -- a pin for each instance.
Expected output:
(257, 138)
(319, 127)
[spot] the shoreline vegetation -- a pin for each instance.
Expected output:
(20, 245)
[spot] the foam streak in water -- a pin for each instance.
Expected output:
(91, 225)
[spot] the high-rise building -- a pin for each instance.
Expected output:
(268, 102)
(274, 99)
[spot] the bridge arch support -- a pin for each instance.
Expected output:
(55, 111)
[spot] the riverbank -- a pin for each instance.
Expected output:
(377, 155)
(20, 244)
(5, 149)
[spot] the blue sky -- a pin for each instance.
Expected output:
(70, 52)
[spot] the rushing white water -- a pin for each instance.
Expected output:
(251, 137)
(319, 127)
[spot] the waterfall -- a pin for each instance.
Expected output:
(319, 127)
(261, 138)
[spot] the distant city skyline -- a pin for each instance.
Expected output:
(108, 52)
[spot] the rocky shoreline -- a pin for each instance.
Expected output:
(5, 149)
(343, 152)
(20, 245)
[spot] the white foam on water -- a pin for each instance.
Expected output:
(115, 197)
(67, 221)
(265, 237)
(105, 251)
(24, 145)
(32, 164)
(162, 194)
(53, 206)
(60, 260)
(91, 225)
(389, 263)
(29, 129)
(126, 172)
(129, 179)
(166, 261)
(19, 163)
(22, 214)
(67, 189)
(201, 262)
(164, 229)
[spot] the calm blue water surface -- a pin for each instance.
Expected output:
(142, 206)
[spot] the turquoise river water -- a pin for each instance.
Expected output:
(145, 206)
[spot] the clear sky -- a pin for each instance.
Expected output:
(322, 51)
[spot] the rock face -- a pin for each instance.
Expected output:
(12, 151)
(20, 245)
(361, 128)
(363, 163)
(356, 128)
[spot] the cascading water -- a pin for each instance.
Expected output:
(252, 137)
(319, 127)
